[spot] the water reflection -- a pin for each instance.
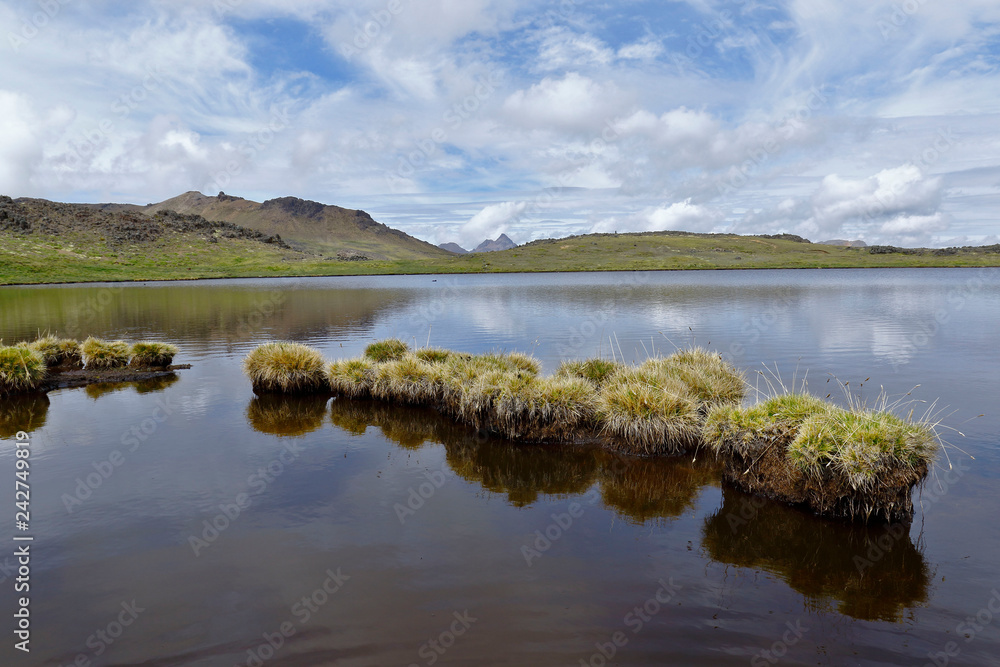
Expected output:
(523, 472)
(867, 572)
(408, 426)
(230, 312)
(638, 489)
(645, 489)
(159, 383)
(22, 412)
(286, 415)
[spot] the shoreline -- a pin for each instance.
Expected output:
(134, 281)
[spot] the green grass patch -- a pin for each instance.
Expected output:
(386, 350)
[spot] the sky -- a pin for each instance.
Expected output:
(459, 120)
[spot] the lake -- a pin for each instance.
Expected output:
(183, 521)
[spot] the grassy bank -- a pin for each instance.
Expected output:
(87, 256)
(847, 463)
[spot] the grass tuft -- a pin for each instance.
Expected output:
(386, 350)
(407, 379)
(147, 354)
(352, 378)
(710, 379)
(854, 462)
(285, 367)
(595, 370)
(57, 351)
(22, 369)
(649, 413)
(433, 355)
(97, 353)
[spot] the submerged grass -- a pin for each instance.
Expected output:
(150, 354)
(286, 367)
(22, 369)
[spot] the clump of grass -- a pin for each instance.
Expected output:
(649, 413)
(97, 353)
(595, 370)
(865, 446)
(353, 378)
(731, 429)
(57, 351)
(386, 350)
(285, 367)
(854, 462)
(522, 406)
(407, 379)
(433, 355)
(149, 354)
(21, 369)
(710, 379)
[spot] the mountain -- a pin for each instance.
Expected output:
(306, 225)
(502, 243)
(454, 247)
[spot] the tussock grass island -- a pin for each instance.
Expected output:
(46, 362)
(848, 463)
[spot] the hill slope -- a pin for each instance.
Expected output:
(306, 225)
(43, 241)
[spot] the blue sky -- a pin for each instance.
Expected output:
(460, 120)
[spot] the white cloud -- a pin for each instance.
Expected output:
(681, 216)
(20, 147)
(573, 102)
(489, 223)
(645, 50)
(742, 131)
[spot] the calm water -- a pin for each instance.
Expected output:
(359, 534)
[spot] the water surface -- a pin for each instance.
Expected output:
(378, 535)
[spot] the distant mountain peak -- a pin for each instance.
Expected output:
(502, 242)
(453, 247)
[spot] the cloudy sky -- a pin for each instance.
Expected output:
(456, 120)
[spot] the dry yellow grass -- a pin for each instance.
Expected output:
(285, 367)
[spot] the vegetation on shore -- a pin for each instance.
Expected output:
(843, 462)
(89, 255)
